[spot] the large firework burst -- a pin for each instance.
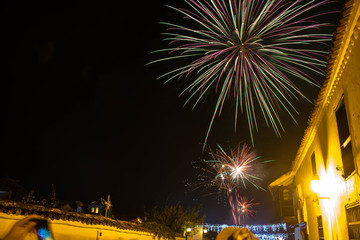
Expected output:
(255, 51)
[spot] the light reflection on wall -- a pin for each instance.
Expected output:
(329, 189)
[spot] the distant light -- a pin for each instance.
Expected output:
(205, 230)
(188, 229)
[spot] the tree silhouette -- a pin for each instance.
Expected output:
(172, 220)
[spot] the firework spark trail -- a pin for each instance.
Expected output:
(231, 173)
(256, 51)
(241, 207)
(244, 208)
(233, 170)
(233, 208)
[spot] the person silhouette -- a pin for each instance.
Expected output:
(236, 233)
(22, 228)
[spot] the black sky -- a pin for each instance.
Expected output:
(80, 110)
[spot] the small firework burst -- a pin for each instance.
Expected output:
(230, 174)
(234, 169)
(245, 207)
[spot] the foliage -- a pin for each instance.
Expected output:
(53, 201)
(172, 220)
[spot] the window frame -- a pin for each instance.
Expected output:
(314, 165)
(349, 166)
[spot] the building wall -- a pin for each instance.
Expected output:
(64, 230)
(322, 138)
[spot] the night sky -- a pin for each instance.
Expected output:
(81, 110)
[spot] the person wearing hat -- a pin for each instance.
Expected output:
(236, 233)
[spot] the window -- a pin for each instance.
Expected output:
(313, 165)
(96, 210)
(287, 203)
(345, 139)
(353, 219)
(320, 227)
(92, 209)
(286, 195)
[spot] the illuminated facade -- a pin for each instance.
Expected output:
(321, 192)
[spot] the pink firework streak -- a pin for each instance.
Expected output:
(234, 170)
(232, 173)
(256, 53)
(245, 208)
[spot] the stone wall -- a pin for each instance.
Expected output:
(70, 225)
(76, 230)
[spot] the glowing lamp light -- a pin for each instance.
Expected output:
(321, 188)
(328, 187)
(188, 229)
(315, 186)
(205, 230)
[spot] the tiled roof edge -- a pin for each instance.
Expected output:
(16, 208)
(328, 84)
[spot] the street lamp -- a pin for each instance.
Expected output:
(188, 230)
(320, 188)
(204, 231)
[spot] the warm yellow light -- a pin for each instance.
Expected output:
(329, 189)
(329, 186)
(188, 229)
(316, 186)
(346, 142)
(205, 230)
